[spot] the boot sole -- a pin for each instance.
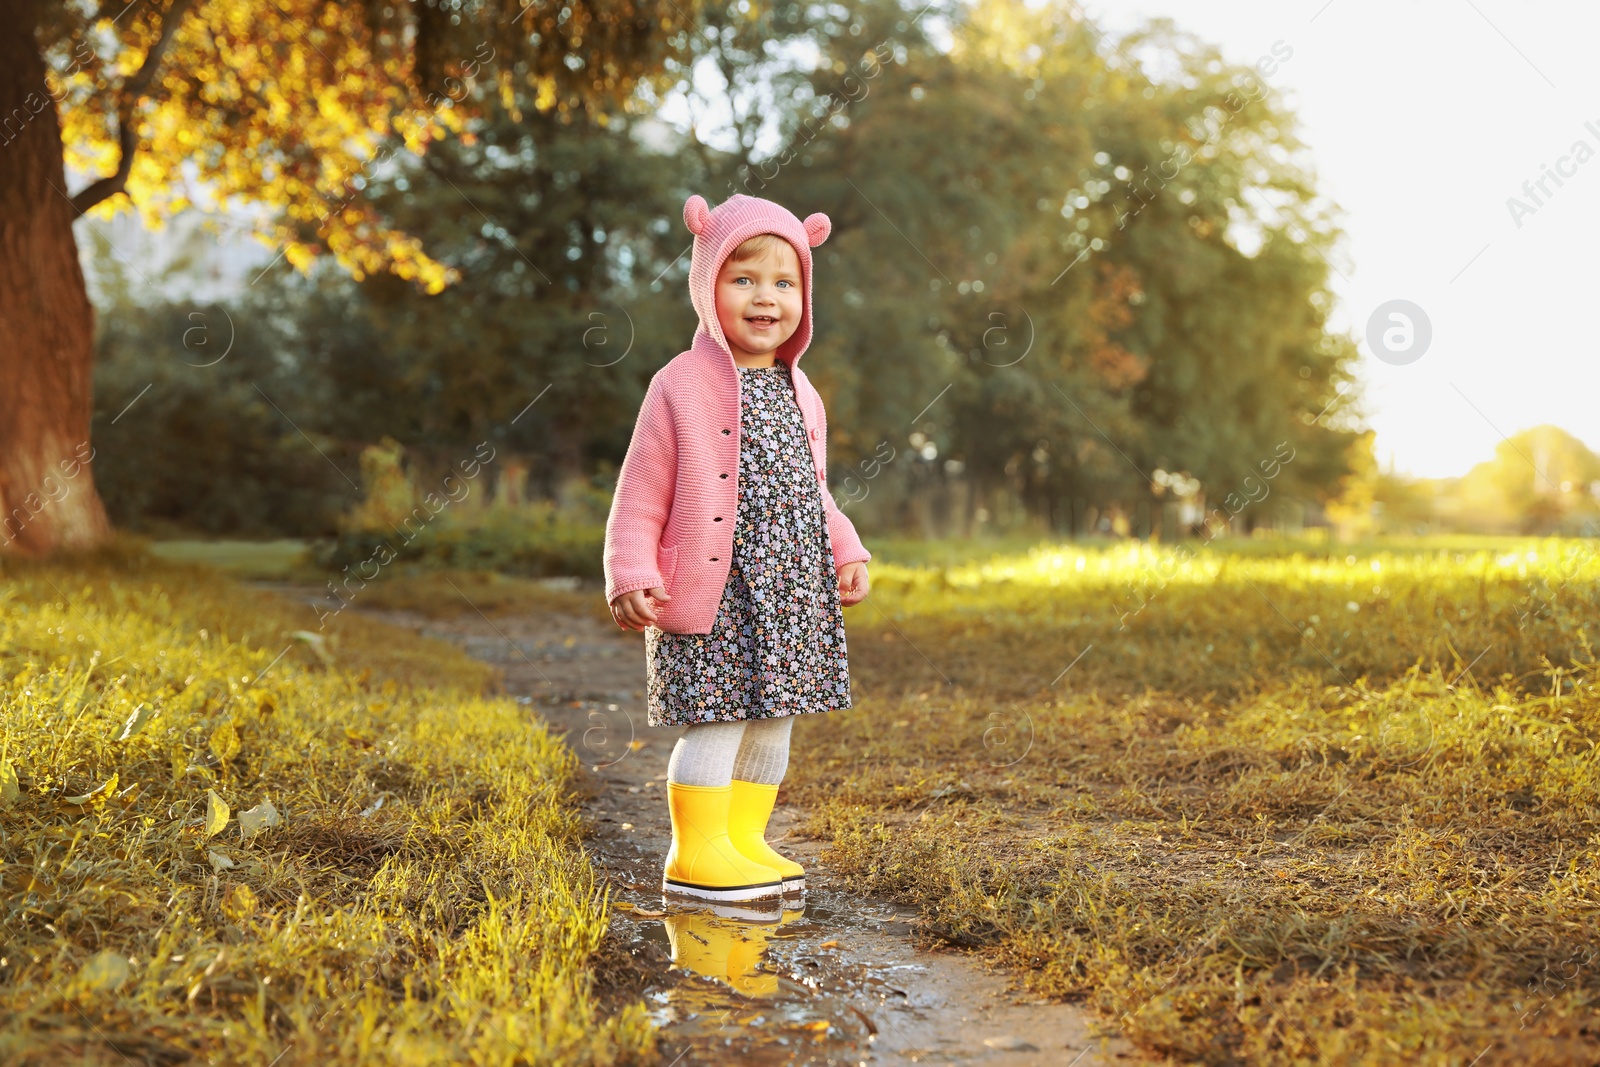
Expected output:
(794, 887)
(723, 893)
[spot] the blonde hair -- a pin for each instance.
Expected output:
(760, 246)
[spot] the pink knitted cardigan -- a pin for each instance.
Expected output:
(671, 521)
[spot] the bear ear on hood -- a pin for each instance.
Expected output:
(817, 228)
(696, 215)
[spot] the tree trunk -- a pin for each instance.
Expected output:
(47, 495)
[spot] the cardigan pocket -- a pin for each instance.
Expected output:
(668, 611)
(667, 564)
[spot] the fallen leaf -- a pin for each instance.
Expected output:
(103, 970)
(225, 741)
(622, 905)
(239, 903)
(257, 819)
(319, 645)
(219, 862)
(138, 719)
(94, 799)
(10, 791)
(820, 1024)
(217, 812)
(829, 944)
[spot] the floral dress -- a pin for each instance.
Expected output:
(777, 645)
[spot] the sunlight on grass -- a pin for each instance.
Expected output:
(1336, 807)
(1230, 619)
(225, 841)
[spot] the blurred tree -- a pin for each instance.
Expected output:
(572, 257)
(1407, 505)
(192, 439)
(1011, 299)
(1138, 280)
(1540, 481)
(1351, 509)
(288, 102)
(559, 231)
(388, 495)
(555, 229)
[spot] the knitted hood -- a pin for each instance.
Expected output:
(717, 232)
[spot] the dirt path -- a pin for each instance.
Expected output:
(840, 982)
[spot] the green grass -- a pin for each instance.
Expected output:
(423, 899)
(1268, 817)
(267, 560)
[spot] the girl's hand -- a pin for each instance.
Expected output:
(632, 611)
(853, 584)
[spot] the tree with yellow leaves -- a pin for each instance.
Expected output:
(285, 103)
(1350, 510)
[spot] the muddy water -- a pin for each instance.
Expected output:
(837, 979)
(815, 985)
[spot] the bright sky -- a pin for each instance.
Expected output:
(1424, 117)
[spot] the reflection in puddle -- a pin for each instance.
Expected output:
(759, 985)
(728, 944)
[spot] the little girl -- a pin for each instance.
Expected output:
(726, 548)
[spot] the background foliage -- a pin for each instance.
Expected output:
(1082, 325)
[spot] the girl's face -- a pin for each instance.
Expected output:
(759, 304)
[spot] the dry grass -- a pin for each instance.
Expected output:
(1275, 819)
(424, 898)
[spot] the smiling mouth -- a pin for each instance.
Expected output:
(761, 320)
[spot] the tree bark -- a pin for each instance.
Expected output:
(47, 494)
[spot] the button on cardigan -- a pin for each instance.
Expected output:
(679, 479)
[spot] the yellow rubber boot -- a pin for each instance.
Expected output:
(703, 863)
(747, 824)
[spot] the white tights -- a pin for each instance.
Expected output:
(715, 753)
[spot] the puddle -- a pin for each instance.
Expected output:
(832, 982)
(775, 986)
(837, 981)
